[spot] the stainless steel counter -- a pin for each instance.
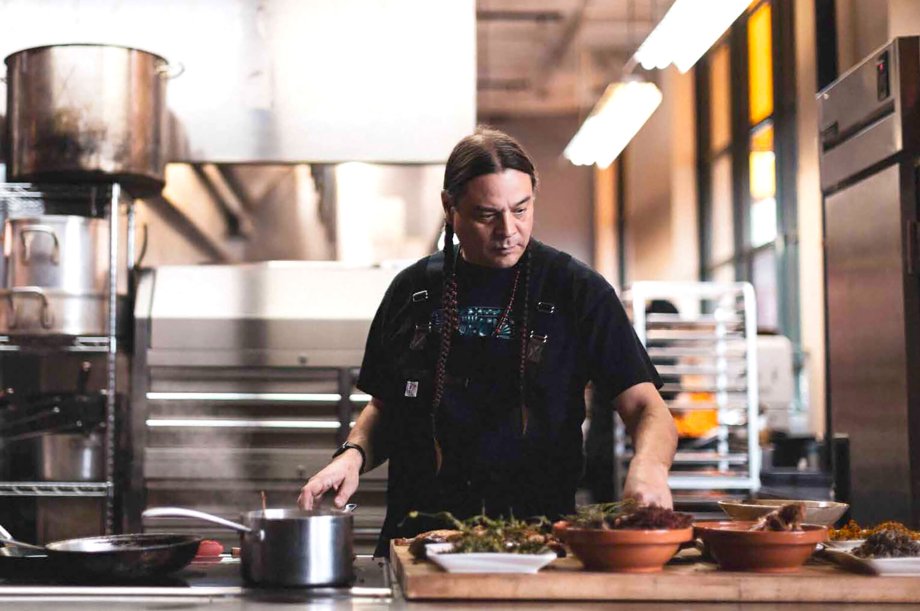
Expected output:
(217, 587)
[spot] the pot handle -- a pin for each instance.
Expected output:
(47, 319)
(179, 512)
(164, 71)
(27, 245)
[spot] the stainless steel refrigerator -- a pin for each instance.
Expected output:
(870, 150)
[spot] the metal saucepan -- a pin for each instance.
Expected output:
(118, 556)
(288, 547)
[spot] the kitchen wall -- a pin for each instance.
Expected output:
(865, 25)
(660, 175)
(811, 249)
(564, 212)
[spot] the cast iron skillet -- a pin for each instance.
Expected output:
(119, 556)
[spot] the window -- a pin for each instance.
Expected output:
(744, 105)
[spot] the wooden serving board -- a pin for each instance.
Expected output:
(684, 579)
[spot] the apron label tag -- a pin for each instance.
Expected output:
(535, 346)
(411, 388)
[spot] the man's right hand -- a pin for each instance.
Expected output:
(340, 475)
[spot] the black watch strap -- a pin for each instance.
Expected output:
(352, 446)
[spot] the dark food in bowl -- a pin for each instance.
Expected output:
(786, 518)
(888, 543)
(628, 515)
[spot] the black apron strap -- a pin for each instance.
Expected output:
(428, 284)
(550, 288)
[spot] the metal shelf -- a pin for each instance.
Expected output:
(704, 405)
(711, 349)
(704, 319)
(705, 458)
(712, 389)
(58, 489)
(100, 201)
(259, 397)
(261, 424)
(700, 354)
(708, 481)
(680, 335)
(81, 344)
(702, 370)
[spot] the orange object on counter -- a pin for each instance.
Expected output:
(209, 549)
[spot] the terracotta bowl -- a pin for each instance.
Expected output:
(735, 548)
(816, 512)
(623, 551)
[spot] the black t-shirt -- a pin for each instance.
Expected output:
(488, 464)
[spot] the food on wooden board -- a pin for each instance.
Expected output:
(888, 543)
(853, 530)
(481, 534)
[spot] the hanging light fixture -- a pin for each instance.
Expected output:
(616, 118)
(687, 31)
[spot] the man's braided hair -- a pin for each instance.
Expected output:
(486, 151)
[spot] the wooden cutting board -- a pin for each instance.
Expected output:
(684, 579)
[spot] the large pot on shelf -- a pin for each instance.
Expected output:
(65, 252)
(87, 113)
(37, 311)
(71, 456)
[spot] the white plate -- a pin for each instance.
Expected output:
(846, 545)
(486, 562)
(875, 566)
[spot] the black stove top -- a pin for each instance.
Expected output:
(210, 577)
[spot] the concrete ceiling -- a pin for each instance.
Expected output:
(546, 57)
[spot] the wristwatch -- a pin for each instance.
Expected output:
(352, 446)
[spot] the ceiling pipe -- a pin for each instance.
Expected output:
(552, 59)
(239, 222)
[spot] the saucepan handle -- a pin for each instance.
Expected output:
(180, 512)
(22, 544)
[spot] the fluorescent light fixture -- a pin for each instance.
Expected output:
(617, 117)
(688, 29)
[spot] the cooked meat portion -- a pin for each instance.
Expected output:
(417, 543)
(785, 518)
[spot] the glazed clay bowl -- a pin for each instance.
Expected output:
(736, 548)
(622, 551)
(816, 512)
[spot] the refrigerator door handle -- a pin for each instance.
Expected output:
(913, 247)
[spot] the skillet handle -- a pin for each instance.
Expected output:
(23, 545)
(179, 512)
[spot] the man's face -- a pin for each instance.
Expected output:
(494, 218)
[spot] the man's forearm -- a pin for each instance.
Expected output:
(653, 433)
(365, 434)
